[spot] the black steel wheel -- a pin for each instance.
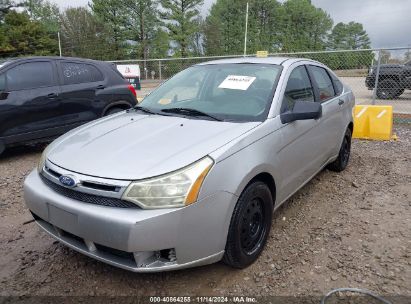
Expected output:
(250, 225)
(344, 155)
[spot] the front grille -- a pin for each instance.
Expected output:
(88, 198)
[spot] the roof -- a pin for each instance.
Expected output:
(267, 60)
(47, 57)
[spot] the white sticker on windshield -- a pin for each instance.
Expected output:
(235, 82)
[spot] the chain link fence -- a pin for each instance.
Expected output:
(376, 76)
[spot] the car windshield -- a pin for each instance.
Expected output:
(230, 92)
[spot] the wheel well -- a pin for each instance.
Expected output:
(119, 104)
(351, 127)
(268, 180)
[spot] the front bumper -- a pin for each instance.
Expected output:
(134, 239)
(370, 81)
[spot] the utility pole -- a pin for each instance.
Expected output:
(246, 32)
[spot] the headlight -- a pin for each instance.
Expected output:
(42, 160)
(371, 70)
(177, 189)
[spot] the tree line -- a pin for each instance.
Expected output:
(143, 29)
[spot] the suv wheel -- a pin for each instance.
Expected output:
(389, 89)
(344, 155)
(250, 226)
(2, 147)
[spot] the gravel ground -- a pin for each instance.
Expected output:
(341, 230)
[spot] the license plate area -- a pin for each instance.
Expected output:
(62, 218)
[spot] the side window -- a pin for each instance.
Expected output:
(74, 73)
(2, 82)
(30, 76)
(323, 80)
(298, 88)
(338, 86)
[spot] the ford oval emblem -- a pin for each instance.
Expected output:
(67, 181)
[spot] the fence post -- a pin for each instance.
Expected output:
(159, 69)
(377, 75)
(145, 70)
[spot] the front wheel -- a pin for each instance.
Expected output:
(389, 89)
(250, 226)
(344, 155)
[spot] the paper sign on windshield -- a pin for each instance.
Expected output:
(234, 82)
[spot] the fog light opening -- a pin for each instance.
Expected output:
(161, 258)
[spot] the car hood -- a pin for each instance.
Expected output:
(131, 146)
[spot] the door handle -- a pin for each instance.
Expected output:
(52, 95)
(100, 87)
(341, 102)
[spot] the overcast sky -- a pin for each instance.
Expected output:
(387, 22)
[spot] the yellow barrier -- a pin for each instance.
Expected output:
(373, 122)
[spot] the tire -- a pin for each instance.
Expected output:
(250, 226)
(114, 110)
(344, 155)
(2, 147)
(389, 89)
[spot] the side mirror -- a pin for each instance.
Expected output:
(303, 110)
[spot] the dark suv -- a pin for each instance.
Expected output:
(44, 97)
(392, 81)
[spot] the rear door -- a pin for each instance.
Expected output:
(29, 102)
(80, 83)
(332, 106)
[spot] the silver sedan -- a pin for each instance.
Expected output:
(193, 174)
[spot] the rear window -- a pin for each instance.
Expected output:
(338, 86)
(30, 76)
(74, 73)
(324, 82)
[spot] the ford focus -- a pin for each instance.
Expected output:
(193, 174)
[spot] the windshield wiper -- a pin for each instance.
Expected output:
(145, 110)
(190, 112)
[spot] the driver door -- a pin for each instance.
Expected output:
(302, 141)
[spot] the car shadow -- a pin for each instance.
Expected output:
(20, 151)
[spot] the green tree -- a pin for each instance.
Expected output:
(45, 12)
(160, 44)
(295, 25)
(143, 23)
(113, 14)
(6, 6)
(23, 36)
(180, 19)
(225, 27)
(350, 36)
(303, 27)
(83, 35)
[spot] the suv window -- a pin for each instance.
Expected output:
(298, 88)
(30, 75)
(2, 82)
(323, 80)
(74, 73)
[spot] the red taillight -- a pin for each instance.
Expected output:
(132, 90)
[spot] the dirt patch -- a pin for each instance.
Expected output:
(341, 230)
